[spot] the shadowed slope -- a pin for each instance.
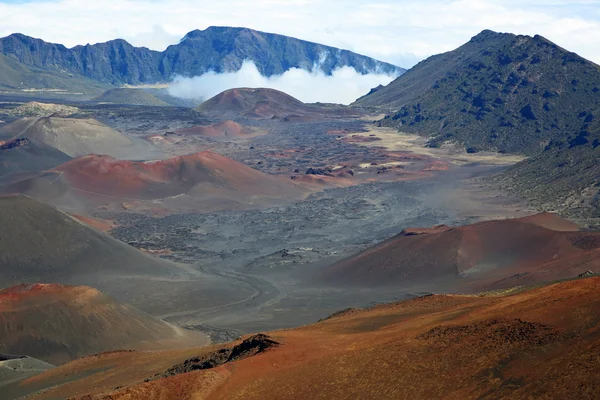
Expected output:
(58, 323)
(28, 155)
(482, 256)
(15, 75)
(129, 96)
(41, 244)
(73, 136)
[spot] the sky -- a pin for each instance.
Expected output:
(398, 31)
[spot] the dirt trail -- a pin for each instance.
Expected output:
(265, 293)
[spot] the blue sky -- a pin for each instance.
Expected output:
(398, 31)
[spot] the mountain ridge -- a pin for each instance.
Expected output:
(499, 91)
(510, 94)
(219, 49)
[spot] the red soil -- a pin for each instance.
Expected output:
(551, 221)
(540, 343)
(19, 292)
(260, 103)
(437, 166)
(103, 175)
(30, 294)
(487, 255)
(100, 224)
(227, 129)
(319, 182)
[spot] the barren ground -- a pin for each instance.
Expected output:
(250, 270)
(514, 345)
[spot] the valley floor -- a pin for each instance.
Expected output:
(275, 254)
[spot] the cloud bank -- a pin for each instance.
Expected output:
(344, 85)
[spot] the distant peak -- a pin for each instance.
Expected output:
(488, 34)
(117, 42)
(23, 37)
(19, 35)
(196, 33)
(226, 28)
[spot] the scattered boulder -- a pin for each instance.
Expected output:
(36, 109)
(319, 171)
(586, 274)
(13, 143)
(527, 113)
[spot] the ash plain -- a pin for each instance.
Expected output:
(276, 253)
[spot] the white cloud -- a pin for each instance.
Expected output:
(399, 31)
(344, 85)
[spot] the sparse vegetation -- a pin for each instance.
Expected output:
(510, 94)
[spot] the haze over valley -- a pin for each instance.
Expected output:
(245, 214)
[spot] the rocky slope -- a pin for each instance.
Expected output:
(215, 48)
(37, 109)
(499, 92)
(15, 75)
(565, 177)
(512, 94)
